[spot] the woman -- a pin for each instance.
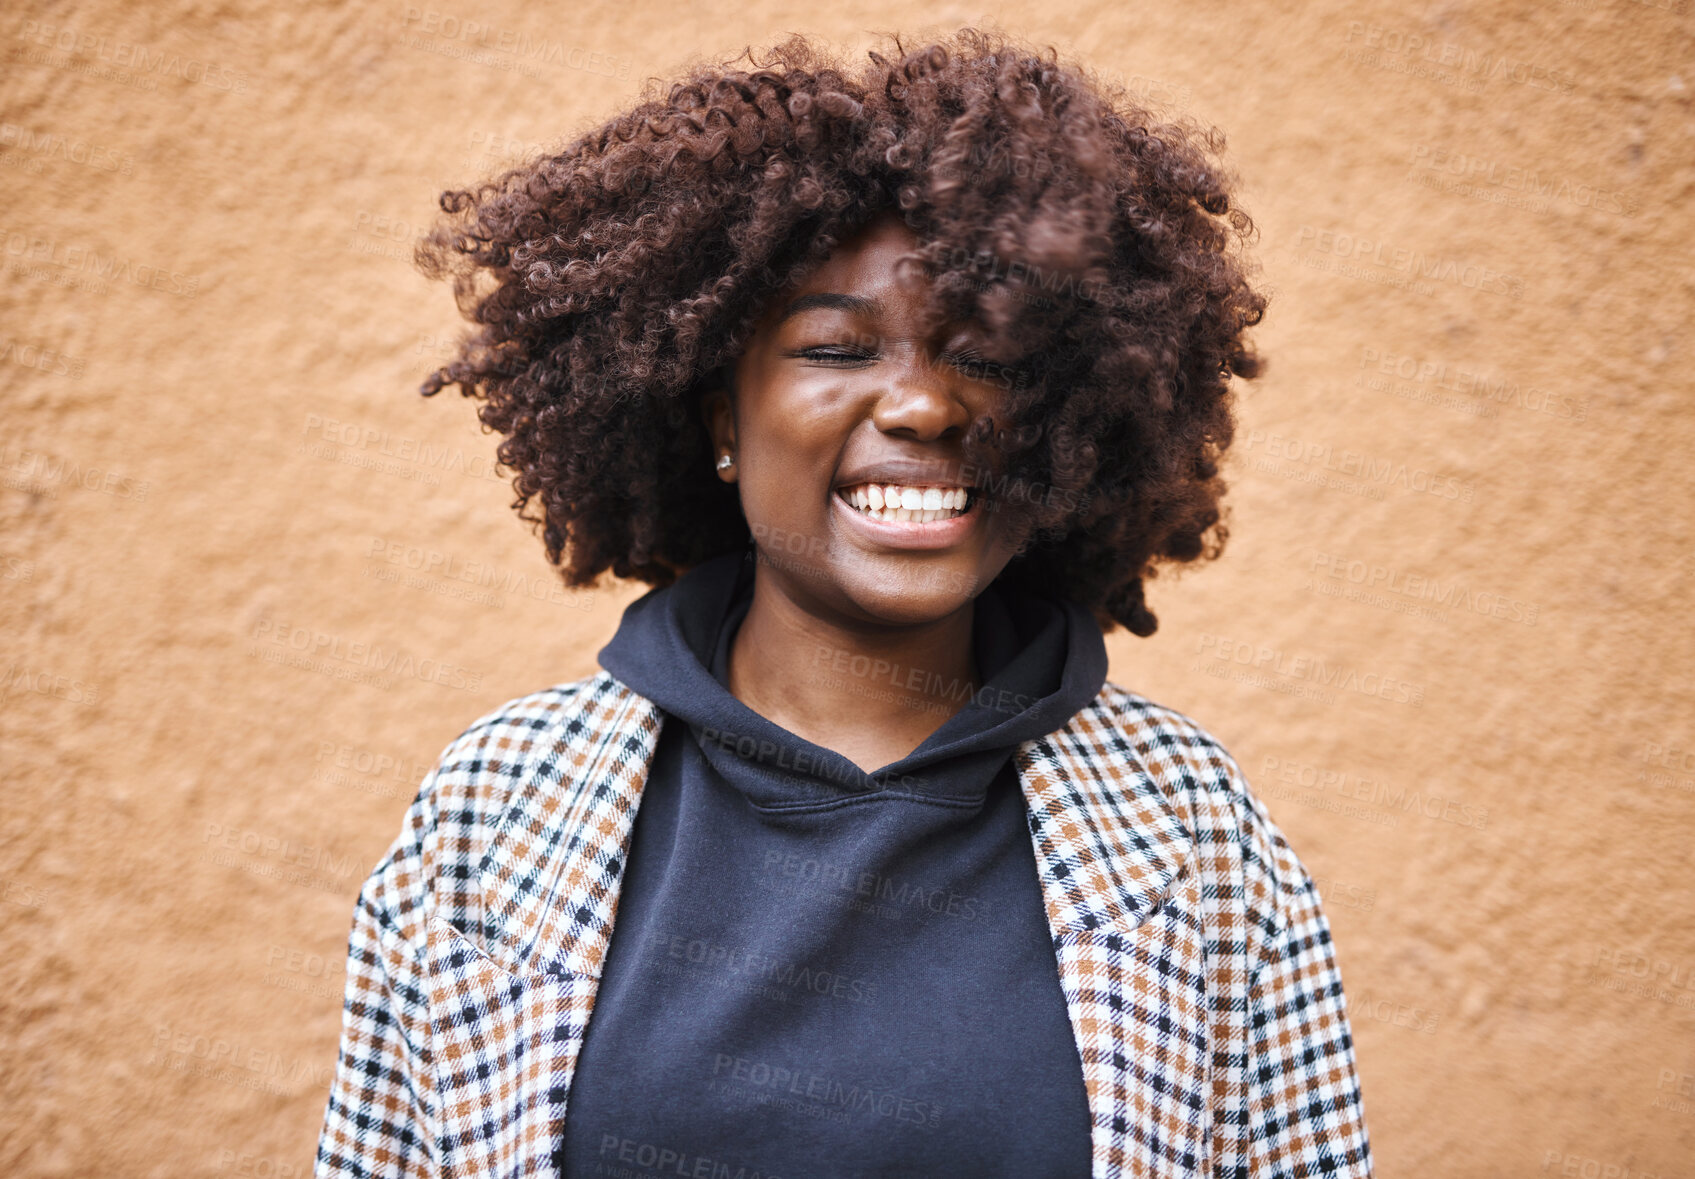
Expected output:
(895, 386)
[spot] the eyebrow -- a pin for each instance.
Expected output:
(854, 304)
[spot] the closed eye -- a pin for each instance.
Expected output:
(836, 356)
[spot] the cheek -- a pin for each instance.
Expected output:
(784, 501)
(788, 462)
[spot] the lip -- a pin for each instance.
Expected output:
(906, 472)
(910, 534)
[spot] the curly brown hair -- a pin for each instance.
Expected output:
(617, 280)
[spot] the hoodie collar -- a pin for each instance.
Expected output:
(1110, 839)
(1040, 661)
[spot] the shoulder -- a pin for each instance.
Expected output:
(497, 750)
(1190, 765)
(1234, 834)
(506, 739)
(463, 799)
(1176, 747)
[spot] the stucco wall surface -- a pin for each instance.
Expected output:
(1449, 642)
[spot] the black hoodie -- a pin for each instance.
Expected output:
(815, 971)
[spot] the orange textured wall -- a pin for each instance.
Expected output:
(1449, 643)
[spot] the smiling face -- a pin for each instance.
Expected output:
(840, 409)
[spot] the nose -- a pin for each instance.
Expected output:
(923, 401)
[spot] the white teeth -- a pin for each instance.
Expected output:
(887, 501)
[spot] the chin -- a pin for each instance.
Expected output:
(917, 594)
(892, 589)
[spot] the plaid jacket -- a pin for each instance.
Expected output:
(1193, 953)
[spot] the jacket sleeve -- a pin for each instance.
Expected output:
(380, 1120)
(1304, 1107)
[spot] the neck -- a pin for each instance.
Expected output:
(871, 693)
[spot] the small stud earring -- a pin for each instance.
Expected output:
(725, 462)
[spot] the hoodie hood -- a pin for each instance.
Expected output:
(1039, 660)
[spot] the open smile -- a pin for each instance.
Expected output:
(908, 516)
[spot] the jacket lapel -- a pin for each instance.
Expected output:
(1123, 907)
(510, 1001)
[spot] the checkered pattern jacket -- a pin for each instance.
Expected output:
(1193, 954)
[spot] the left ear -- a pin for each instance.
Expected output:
(717, 408)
